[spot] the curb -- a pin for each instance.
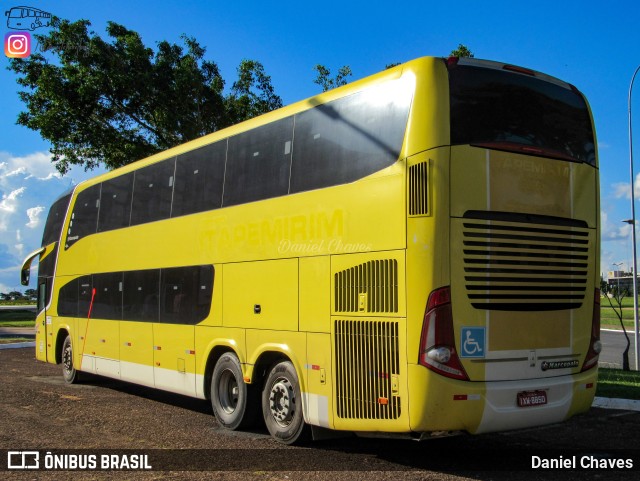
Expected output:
(614, 403)
(17, 345)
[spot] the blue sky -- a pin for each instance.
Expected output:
(591, 44)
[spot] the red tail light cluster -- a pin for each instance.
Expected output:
(437, 343)
(595, 346)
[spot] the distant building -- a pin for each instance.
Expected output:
(622, 279)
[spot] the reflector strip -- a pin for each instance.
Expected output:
(466, 397)
(383, 400)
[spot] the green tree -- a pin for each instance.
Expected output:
(252, 94)
(115, 101)
(324, 79)
(461, 51)
(31, 293)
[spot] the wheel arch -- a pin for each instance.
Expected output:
(62, 334)
(268, 357)
(214, 354)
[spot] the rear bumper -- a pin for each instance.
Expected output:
(437, 403)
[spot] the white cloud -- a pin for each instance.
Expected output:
(34, 216)
(28, 186)
(8, 206)
(18, 171)
(51, 175)
(623, 190)
(36, 165)
(613, 232)
(8, 202)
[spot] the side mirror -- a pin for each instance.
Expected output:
(25, 272)
(25, 275)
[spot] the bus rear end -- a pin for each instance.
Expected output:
(512, 340)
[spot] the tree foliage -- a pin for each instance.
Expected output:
(115, 101)
(324, 79)
(461, 51)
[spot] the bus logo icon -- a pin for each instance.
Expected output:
(23, 460)
(473, 342)
(27, 18)
(17, 44)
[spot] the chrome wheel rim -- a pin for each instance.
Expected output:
(282, 402)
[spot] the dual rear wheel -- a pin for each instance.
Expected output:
(236, 404)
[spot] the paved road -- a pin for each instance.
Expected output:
(613, 345)
(30, 308)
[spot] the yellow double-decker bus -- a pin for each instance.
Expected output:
(415, 253)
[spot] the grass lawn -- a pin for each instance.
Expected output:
(17, 317)
(616, 383)
(15, 339)
(609, 319)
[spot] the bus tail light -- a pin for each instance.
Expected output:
(595, 346)
(437, 343)
(452, 61)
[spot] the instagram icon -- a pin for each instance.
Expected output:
(17, 44)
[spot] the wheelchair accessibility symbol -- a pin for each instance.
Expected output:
(473, 342)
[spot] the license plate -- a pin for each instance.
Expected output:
(531, 398)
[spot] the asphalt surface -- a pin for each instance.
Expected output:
(38, 412)
(613, 345)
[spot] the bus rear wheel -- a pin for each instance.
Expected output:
(233, 401)
(69, 372)
(282, 405)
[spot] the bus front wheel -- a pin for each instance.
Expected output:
(69, 372)
(282, 405)
(233, 400)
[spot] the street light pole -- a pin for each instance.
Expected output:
(633, 229)
(618, 264)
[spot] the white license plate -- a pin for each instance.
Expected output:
(532, 398)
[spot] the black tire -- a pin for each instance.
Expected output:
(282, 405)
(70, 374)
(234, 402)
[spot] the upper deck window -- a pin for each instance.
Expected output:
(55, 219)
(511, 111)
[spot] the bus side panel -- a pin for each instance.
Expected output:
(100, 341)
(136, 352)
(315, 294)
(41, 337)
(261, 294)
(427, 242)
(174, 360)
(318, 397)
